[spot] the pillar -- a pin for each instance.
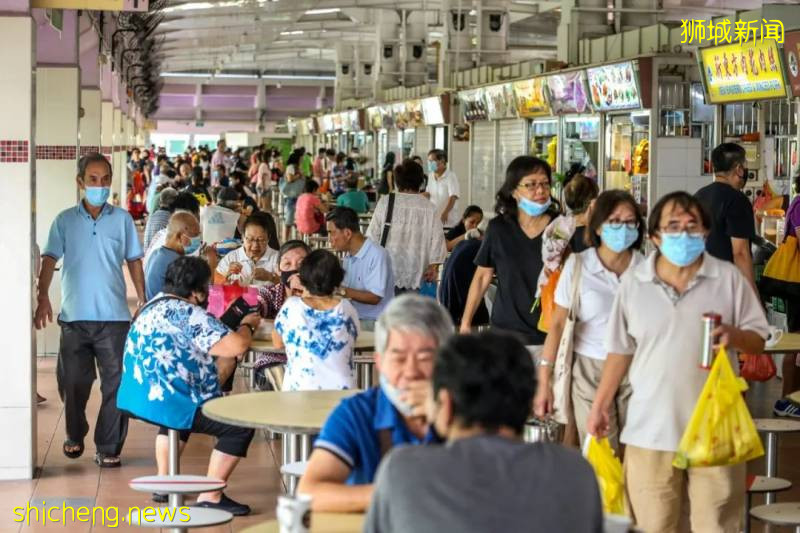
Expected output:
(57, 108)
(17, 203)
(91, 97)
(106, 113)
(119, 183)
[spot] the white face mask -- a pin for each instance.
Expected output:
(393, 393)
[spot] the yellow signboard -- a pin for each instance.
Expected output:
(94, 5)
(747, 71)
(531, 100)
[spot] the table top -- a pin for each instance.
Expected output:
(364, 343)
(198, 517)
(183, 484)
(769, 484)
(782, 514)
(301, 412)
(789, 343)
(320, 523)
(777, 425)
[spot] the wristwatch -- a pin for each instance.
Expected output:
(544, 362)
(251, 328)
(342, 292)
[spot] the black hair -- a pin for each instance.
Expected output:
(606, 203)
(579, 193)
(294, 159)
(438, 155)
(796, 182)
(681, 199)
(351, 182)
(311, 186)
(187, 275)
(92, 157)
(350, 164)
(726, 156)
(186, 201)
(197, 174)
(409, 176)
(321, 273)
(344, 218)
(288, 246)
(521, 166)
(322, 151)
(490, 378)
(257, 219)
(340, 157)
(388, 161)
(472, 210)
(330, 152)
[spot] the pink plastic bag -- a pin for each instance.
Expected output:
(220, 297)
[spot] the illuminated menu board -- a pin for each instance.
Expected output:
(614, 87)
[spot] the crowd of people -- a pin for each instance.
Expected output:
(210, 221)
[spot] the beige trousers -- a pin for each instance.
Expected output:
(657, 493)
(586, 373)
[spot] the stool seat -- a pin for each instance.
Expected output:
(779, 514)
(198, 517)
(295, 469)
(181, 484)
(777, 425)
(769, 484)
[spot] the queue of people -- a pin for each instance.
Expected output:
(451, 404)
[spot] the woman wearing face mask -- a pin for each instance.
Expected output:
(512, 248)
(271, 299)
(653, 338)
(614, 234)
(442, 188)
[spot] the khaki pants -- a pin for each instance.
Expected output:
(586, 374)
(656, 493)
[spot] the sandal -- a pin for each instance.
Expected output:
(106, 460)
(72, 454)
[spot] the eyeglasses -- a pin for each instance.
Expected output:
(250, 240)
(617, 224)
(532, 186)
(676, 227)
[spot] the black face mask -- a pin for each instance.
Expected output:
(746, 175)
(286, 275)
(204, 302)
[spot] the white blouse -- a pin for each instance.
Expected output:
(416, 237)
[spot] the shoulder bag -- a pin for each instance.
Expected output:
(562, 369)
(387, 223)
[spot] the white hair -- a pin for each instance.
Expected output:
(413, 312)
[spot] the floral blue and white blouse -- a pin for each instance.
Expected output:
(167, 372)
(319, 345)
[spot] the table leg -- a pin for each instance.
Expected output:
(305, 446)
(251, 370)
(285, 458)
(747, 513)
(772, 461)
(365, 375)
(293, 456)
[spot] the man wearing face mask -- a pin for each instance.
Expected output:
(733, 224)
(442, 188)
(92, 239)
(364, 427)
(183, 238)
(653, 338)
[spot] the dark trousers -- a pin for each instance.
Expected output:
(84, 344)
(232, 440)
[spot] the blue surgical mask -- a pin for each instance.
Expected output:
(393, 394)
(432, 166)
(194, 244)
(97, 196)
(532, 208)
(215, 174)
(618, 239)
(682, 249)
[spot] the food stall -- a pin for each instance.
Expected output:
(791, 50)
(511, 131)
(328, 130)
(397, 138)
(482, 148)
(417, 131)
(568, 96)
(436, 115)
(531, 99)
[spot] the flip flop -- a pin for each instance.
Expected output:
(72, 454)
(106, 460)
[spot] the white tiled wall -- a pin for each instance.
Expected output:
(90, 123)
(678, 167)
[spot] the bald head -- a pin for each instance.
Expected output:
(183, 223)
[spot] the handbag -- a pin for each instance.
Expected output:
(781, 275)
(387, 223)
(562, 369)
(758, 367)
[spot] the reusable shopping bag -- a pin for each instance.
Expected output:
(608, 469)
(781, 276)
(758, 367)
(548, 301)
(562, 369)
(721, 431)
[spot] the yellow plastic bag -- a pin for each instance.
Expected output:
(608, 470)
(721, 430)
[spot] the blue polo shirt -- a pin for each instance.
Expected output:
(351, 433)
(370, 270)
(92, 283)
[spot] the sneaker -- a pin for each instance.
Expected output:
(784, 407)
(160, 498)
(227, 504)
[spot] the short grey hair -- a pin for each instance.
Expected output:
(88, 159)
(413, 312)
(168, 196)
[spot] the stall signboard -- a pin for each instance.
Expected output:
(473, 105)
(387, 116)
(747, 71)
(374, 118)
(400, 115)
(291, 126)
(567, 93)
(354, 117)
(414, 113)
(302, 127)
(336, 120)
(614, 87)
(432, 111)
(311, 125)
(791, 50)
(344, 119)
(500, 101)
(531, 98)
(327, 124)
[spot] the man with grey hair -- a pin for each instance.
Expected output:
(364, 427)
(158, 220)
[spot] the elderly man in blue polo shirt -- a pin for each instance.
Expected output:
(93, 239)
(364, 427)
(368, 280)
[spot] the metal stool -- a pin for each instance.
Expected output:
(294, 471)
(772, 427)
(762, 485)
(779, 514)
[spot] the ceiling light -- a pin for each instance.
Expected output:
(323, 11)
(293, 32)
(193, 6)
(472, 13)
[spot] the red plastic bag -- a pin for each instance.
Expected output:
(220, 297)
(548, 301)
(758, 367)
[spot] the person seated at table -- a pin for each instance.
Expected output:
(168, 372)
(467, 227)
(184, 202)
(353, 198)
(485, 478)
(254, 261)
(318, 329)
(364, 427)
(368, 280)
(183, 238)
(310, 211)
(272, 298)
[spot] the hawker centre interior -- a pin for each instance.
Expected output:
(400, 266)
